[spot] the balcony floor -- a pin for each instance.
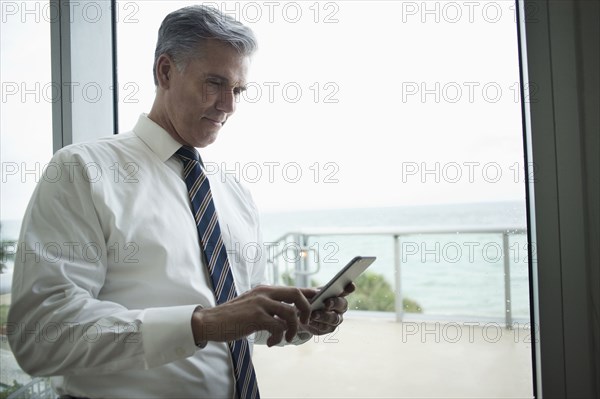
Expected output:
(371, 357)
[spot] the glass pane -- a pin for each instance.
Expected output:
(390, 129)
(26, 140)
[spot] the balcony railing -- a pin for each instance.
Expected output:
(38, 388)
(299, 240)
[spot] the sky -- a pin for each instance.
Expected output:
(349, 104)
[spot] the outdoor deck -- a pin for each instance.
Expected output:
(374, 357)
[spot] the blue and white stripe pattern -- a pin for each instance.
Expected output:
(215, 253)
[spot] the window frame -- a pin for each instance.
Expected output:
(75, 118)
(559, 198)
(559, 223)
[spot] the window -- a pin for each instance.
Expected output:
(26, 142)
(50, 98)
(390, 129)
(553, 66)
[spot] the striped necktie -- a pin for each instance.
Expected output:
(215, 253)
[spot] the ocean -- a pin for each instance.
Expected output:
(448, 275)
(454, 275)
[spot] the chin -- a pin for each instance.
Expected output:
(206, 140)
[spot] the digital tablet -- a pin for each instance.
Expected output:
(344, 277)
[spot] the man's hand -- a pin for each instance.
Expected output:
(278, 310)
(326, 320)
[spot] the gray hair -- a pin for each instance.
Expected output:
(183, 31)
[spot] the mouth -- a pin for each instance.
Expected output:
(214, 121)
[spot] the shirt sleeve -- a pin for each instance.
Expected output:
(56, 324)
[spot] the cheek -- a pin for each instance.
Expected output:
(185, 108)
(194, 101)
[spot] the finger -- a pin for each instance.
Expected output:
(328, 318)
(320, 328)
(349, 289)
(336, 304)
(285, 314)
(291, 333)
(303, 306)
(324, 327)
(294, 296)
(309, 292)
(275, 338)
(276, 330)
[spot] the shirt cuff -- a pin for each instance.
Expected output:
(167, 334)
(261, 337)
(301, 337)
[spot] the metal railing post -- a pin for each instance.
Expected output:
(507, 294)
(302, 279)
(398, 280)
(275, 266)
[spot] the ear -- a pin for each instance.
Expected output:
(165, 67)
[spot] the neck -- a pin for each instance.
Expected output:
(158, 116)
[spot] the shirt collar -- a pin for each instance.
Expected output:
(156, 138)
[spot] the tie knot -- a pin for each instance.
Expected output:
(188, 154)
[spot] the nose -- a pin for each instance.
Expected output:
(226, 101)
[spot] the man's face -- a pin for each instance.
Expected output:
(199, 100)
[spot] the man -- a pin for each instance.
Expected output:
(118, 287)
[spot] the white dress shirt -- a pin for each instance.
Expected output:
(109, 271)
